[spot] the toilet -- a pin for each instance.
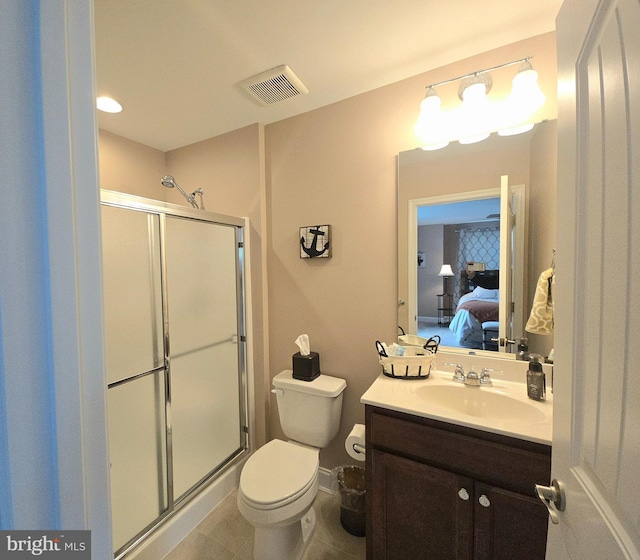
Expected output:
(279, 482)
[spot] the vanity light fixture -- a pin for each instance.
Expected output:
(478, 117)
(108, 105)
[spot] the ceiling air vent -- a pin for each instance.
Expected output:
(274, 85)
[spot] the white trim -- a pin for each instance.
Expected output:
(325, 478)
(71, 169)
(249, 346)
(52, 159)
(412, 242)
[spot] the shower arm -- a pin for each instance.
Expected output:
(200, 193)
(169, 182)
(191, 198)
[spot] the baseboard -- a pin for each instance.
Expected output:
(324, 479)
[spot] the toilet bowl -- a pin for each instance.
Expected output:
(278, 485)
(279, 482)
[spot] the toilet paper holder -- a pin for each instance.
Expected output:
(355, 442)
(359, 448)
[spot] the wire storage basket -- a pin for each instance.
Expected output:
(414, 364)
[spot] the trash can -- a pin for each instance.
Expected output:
(352, 499)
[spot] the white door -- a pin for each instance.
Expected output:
(513, 255)
(596, 442)
(506, 299)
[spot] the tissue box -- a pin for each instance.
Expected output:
(306, 368)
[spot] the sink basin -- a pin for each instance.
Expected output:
(480, 402)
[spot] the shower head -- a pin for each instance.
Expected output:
(169, 182)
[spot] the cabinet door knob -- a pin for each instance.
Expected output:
(484, 501)
(463, 494)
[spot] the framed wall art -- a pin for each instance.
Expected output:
(315, 242)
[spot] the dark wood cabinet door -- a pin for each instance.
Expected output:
(419, 512)
(508, 525)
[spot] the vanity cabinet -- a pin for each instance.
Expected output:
(439, 491)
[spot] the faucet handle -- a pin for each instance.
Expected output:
(485, 378)
(458, 374)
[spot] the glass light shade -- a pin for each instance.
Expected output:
(431, 125)
(474, 117)
(525, 89)
(108, 105)
(524, 100)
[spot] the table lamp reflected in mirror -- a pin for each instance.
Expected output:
(446, 272)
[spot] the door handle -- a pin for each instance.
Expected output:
(554, 493)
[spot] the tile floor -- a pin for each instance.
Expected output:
(226, 535)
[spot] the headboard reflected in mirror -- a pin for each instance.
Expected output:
(487, 279)
(447, 175)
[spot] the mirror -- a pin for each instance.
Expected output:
(473, 172)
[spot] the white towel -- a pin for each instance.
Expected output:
(541, 318)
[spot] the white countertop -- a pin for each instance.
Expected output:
(414, 397)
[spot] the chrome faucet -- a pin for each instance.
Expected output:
(458, 374)
(485, 378)
(482, 380)
(472, 379)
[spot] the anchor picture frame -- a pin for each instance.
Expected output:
(315, 242)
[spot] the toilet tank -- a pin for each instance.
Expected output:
(309, 411)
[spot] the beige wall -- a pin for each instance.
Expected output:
(335, 165)
(130, 167)
(431, 242)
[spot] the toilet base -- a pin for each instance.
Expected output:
(284, 543)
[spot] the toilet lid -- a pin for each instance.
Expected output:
(278, 472)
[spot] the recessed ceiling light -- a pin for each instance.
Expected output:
(108, 105)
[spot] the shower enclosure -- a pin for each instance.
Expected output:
(175, 353)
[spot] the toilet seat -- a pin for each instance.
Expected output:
(278, 474)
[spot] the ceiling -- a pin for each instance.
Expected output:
(174, 65)
(481, 210)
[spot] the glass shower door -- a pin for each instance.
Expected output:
(135, 370)
(203, 317)
(175, 357)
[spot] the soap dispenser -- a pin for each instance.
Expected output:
(536, 382)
